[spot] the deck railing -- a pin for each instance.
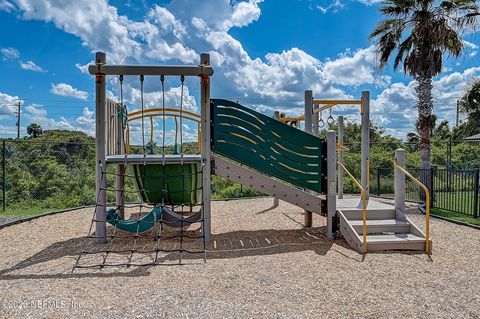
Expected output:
(364, 205)
(427, 204)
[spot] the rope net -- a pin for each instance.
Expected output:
(165, 225)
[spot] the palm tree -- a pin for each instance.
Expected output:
(419, 33)
(470, 105)
(34, 130)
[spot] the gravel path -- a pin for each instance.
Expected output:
(261, 264)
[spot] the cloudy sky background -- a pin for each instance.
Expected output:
(265, 54)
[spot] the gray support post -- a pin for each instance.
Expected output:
(206, 139)
(331, 184)
(276, 202)
(341, 173)
(308, 128)
(399, 181)
(365, 147)
(100, 127)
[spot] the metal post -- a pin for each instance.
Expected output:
(4, 176)
(430, 187)
(18, 120)
(331, 177)
(476, 193)
(341, 173)
(399, 177)
(100, 126)
(378, 181)
(276, 201)
(365, 147)
(206, 139)
(308, 129)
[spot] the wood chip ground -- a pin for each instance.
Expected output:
(261, 263)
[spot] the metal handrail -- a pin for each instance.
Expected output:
(427, 204)
(364, 205)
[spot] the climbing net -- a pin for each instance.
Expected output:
(159, 221)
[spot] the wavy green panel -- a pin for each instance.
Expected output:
(267, 145)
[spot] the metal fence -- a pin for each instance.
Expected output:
(452, 190)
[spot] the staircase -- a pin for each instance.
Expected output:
(386, 230)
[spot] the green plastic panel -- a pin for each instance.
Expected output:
(268, 145)
(172, 183)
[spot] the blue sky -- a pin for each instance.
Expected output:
(264, 52)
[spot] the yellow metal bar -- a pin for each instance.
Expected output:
(161, 110)
(166, 114)
(337, 102)
(427, 204)
(364, 206)
(290, 119)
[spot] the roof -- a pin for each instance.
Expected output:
(473, 138)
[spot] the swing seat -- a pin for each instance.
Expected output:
(131, 225)
(169, 183)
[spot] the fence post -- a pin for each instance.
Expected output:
(399, 181)
(331, 181)
(4, 175)
(431, 188)
(378, 181)
(476, 191)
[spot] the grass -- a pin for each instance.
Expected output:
(25, 212)
(456, 216)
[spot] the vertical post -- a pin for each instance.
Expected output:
(276, 201)
(331, 177)
(206, 139)
(430, 187)
(365, 147)
(18, 120)
(476, 193)
(100, 126)
(4, 175)
(309, 129)
(378, 181)
(315, 128)
(399, 177)
(341, 173)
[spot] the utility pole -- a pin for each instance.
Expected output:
(18, 119)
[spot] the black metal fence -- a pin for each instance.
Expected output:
(452, 190)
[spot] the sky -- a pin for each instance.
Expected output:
(265, 55)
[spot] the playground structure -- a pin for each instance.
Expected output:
(244, 146)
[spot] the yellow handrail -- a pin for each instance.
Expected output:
(364, 206)
(427, 204)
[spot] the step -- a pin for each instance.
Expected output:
(405, 241)
(357, 214)
(381, 226)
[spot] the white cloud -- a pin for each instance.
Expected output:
(334, 6)
(352, 70)
(8, 105)
(31, 66)
(65, 89)
(244, 13)
(10, 54)
(7, 6)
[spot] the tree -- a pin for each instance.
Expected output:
(420, 32)
(470, 105)
(34, 130)
(440, 131)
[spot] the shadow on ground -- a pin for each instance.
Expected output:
(130, 257)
